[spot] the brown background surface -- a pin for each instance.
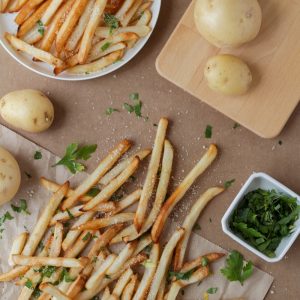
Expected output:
(80, 116)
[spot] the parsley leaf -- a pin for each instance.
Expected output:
(236, 125)
(136, 107)
(71, 216)
(73, 153)
(105, 46)
(41, 28)
(235, 270)
(36, 293)
(29, 284)
(212, 290)
(37, 155)
(65, 276)
(111, 21)
(181, 276)
(110, 110)
(21, 208)
(47, 271)
(6, 217)
(87, 236)
(93, 192)
(228, 183)
(208, 131)
(204, 261)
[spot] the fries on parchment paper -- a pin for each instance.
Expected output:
(80, 36)
(79, 260)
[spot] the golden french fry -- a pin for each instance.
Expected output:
(26, 10)
(104, 222)
(123, 9)
(127, 201)
(121, 284)
(80, 27)
(76, 286)
(17, 246)
(211, 257)
(99, 273)
(3, 5)
(55, 248)
(130, 288)
(103, 167)
(42, 224)
(189, 223)
(180, 191)
(69, 24)
(143, 242)
(162, 288)
(130, 13)
(15, 6)
(50, 261)
(113, 186)
(141, 10)
(86, 41)
(151, 174)
(164, 263)
(53, 291)
(145, 18)
(31, 50)
(67, 215)
(121, 236)
(72, 235)
(150, 268)
(26, 291)
(33, 19)
(141, 31)
(13, 273)
(106, 294)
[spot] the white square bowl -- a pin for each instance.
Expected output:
(263, 181)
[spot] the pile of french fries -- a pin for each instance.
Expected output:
(81, 36)
(77, 261)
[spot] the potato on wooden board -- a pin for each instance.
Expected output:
(10, 176)
(228, 75)
(29, 110)
(229, 23)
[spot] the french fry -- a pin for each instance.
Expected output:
(80, 27)
(99, 273)
(13, 273)
(189, 223)
(123, 9)
(69, 24)
(72, 235)
(122, 165)
(55, 248)
(150, 269)
(50, 261)
(103, 167)
(98, 64)
(53, 291)
(197, 262)
(162, 288)
(26, 10)
(106, 294)
(127, 201)
(145, 18)
(130, 288)
(3, 5)
(143, 242)
(42, 224)
(164, 263)
(15, 6)
(86, 41)
(180, 191)
(121, 236)
(26, 292)
(35, 52)
(130, 13)
(76, 286)
(33, 19)
(141, 31)
(161, 192)
(197, 276)
(139, 13)
(121, 284)
(55, 25)
(104, 222)
(151, 174)
(113, 186)
(17, 246)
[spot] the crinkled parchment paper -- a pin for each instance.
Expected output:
(254, 288)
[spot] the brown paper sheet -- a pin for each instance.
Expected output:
(254, 288)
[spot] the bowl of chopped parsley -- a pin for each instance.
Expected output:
(264, 217)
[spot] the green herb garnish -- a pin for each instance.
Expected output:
(204, 261)
(105, 46)
(38, 155)
(73, 153)
(36, 293)
(65, 276)
(47, 271)
(41, 28)
(208, 131)
(235, 269)
(197, 227)
(6, 217)
(212, 290)
(264, 218)
(111, 21)
(136, 107)
(236, 125)
(93, 192)
(181, 276)
(228, 183)
(21, 208)
(71, 216)
(110, 110)
(29, 284)
(87, 236)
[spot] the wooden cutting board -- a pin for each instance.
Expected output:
(274, 58)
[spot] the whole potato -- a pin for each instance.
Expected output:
(10, 176)
(227, 74)
(228, 23)
(29, 110)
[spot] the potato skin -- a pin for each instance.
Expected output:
(29, 110)
(228, 75)
(229, 23)
(10, 176)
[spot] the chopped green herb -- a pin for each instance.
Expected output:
(128, 107)
(47, 271)
(134, 96)
(105, 46)
(93, 192)
(40, 245)
(110, 110)
(116, 197)
(94, 237)
(228, 184)
(107, 276)
(41, 28)
(111, 21)
(71, 216)
(204, 261)
(29, 284)
(87, 236)
(86, 73)
(235, 269)
(208, 131)
(74, 153)
(236, 125)
(147, 249)
(136, 107)
(65, 276)
(21, 208)
(38, 155)
(95, 259)
(197, 227)
(264, 218)
(181, 276)
(148, 264)
(212, 290)
(36, 293)
(28, 175)
(6, 217)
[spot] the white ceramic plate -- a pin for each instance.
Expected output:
(7, 24)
